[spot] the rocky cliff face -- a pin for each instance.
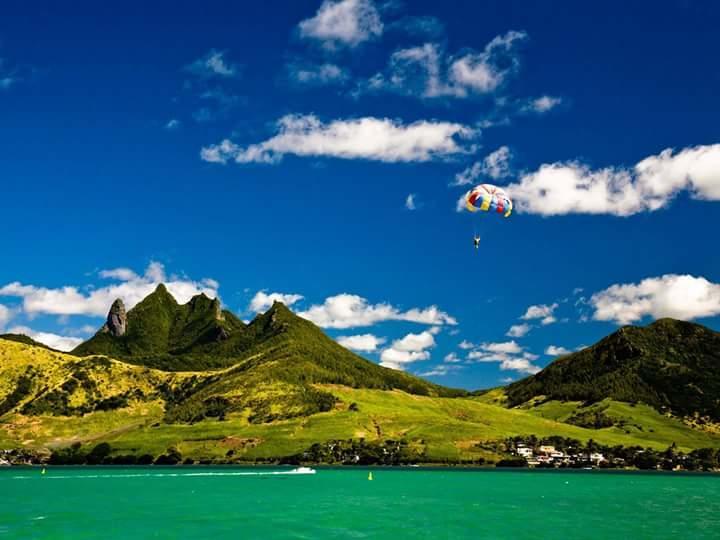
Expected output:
(116, 324)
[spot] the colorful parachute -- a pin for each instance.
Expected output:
(488, 198)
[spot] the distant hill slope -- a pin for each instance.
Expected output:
(670, 365)
(27, 340)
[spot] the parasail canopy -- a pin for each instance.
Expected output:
(488, 198)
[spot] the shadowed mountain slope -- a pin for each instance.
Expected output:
(671, 365)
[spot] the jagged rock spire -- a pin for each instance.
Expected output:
(116, 324)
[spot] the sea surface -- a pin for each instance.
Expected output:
(224, 502)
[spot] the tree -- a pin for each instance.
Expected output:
(98, 454)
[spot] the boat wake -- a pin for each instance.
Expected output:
(300, 471)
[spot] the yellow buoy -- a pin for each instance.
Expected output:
(370, 475)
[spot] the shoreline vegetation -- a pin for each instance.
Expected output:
(520, 452)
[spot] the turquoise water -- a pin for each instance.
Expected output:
(215, 503)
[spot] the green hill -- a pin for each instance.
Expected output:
(671, 365)
(159, 331)
(27, 340)
(51, 400)
(277, 346)
(193, 380)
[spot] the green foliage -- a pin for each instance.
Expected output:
(98, 454)
(171, 457)
(621, 456)
(512, 462)
(72, 455)
(27, 340)
(23, 388)
(359, 452)
(670, 365)
(592, 419)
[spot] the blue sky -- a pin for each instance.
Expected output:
(315, 152)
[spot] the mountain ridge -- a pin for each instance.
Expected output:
(199, 335)
(671, 365)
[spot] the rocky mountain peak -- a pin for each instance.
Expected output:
(116, 324)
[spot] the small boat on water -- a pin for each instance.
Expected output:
(302, 470)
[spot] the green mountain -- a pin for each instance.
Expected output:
(159, 331)
(276, 346)
(671, 365)
(192, 380)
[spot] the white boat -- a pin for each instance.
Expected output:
(302, 470)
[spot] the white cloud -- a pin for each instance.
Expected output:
(415, 342)
(411, 348)
(427, 71)
(542, 311)
(414, 71)
(466, 345)
(361, 342)
(553, 350)
(508, 354)
(5, 316)
(678, 296)
(172, 124)
(380, 139)
(519, 364)
(70, 300)
(343, 22)
(213, 64)
(495, 165)
(122, 274)
(571, 187)
(323, 74)
(541, 104)
(9, 76)
(410, 203)
(484, 356)
(262, 300)
(423, 26)
(461, 204)
(452, 358)
(481, 72)
(394, 359)
(441, 370)
(509, 347)
(54, 341)
(350, 311)
(518, 330)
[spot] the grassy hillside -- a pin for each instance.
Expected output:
(139, 410)
(670, 365)
(27, 340)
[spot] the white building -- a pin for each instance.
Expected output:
(525, 452)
